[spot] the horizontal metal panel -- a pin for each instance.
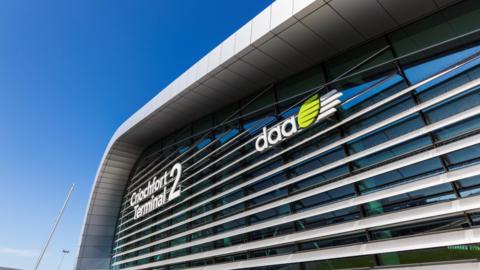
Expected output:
(96, 251)
(95, 240)
(105, 210)
(100, 230)
(95, 263)
(113, 162)
(396, 141)
(371, 173)
(350, 118)
(109, 185)
(372, 107)
(397, 217)
(410, 243)
(101, 220)
(134, 133)
(377, 148)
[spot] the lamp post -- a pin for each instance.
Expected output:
(39, 260)
(65, 252)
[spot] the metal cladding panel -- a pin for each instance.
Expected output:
(250, 72)
(378, 18)
(406, 11)
(282, 40)
(304, 40)
(285, 54)
(442, 3)
(330, 26)
(266, 63)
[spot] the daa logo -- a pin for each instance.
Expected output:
(312, 111)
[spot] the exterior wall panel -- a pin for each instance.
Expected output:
(388, 172)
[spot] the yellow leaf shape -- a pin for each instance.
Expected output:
(309, 111)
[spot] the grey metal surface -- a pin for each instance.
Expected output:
(402, 244)
(282, 40)
(358, 134)
(377, 148)
(402, 216)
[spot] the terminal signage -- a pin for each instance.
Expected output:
(156, 193)
(312, 110)
(165, 188)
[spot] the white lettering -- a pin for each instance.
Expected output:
(176, 171)
(276, 134)
(157, 185)
(289, 127)
(261, 142)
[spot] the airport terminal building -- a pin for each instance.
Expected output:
(323, 134)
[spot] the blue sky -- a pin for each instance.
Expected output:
(70, 73)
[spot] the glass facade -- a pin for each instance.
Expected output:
(397, 143)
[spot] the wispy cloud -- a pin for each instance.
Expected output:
(18, 252)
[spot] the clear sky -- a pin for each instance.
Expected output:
(70, 73)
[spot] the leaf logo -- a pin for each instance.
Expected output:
(309, 111)
(317, 108)
(314, 109)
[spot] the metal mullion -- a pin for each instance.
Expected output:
(286, 158)
(360, 208)
(412, 186)
(468, 59)
(426, 120)
(448, 209)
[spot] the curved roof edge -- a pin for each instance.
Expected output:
(286, 37)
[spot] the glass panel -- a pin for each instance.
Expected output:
(406, 174)
(227, 135)
(457, 222)
(203, 143)
(342, 215)
(469, 186)
(273, 251)
(343, 263)
(255, 126)
(387, 133)
(463, 157)
(458, 128)
(421, 197)
(356, 95)
(390, 153)
(335, 241)
(386, 111)
(322, 160)
(454, 106)
(475, 218)
(422, 71)
(324, 198)
(450, 253)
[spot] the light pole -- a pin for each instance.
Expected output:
(65, 252)
(39, 260)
